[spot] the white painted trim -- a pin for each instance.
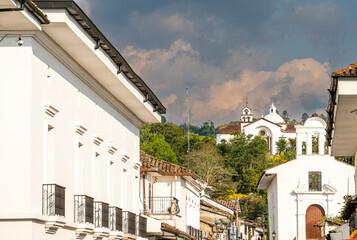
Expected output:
(45, 41)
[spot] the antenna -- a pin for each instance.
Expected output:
(188, 128)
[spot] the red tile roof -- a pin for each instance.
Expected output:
(229, 203)
(228, 129)
(152, 164)
(171, 229)
(351, 70)
(290, 128)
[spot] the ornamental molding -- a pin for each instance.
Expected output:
(112, 149)
(100, 233)
(125, 158)
(80, 129)
(84, 229)
(50, 110)
(97, 140)
(53, 223)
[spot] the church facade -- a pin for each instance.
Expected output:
(271, 128)
(309, 187)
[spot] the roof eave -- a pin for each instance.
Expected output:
(76, 12)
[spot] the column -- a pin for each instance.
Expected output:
(322, 141)
(309, 143)
(300, 220)
(298, 144)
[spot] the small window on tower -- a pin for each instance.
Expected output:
(262, 133)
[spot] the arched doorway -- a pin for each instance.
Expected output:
(314, 215)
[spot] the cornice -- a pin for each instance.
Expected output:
(46, 42)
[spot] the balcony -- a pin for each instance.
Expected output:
(163, 206)
(142, 227)
(129, 222)
(101, 219)
(53, 200)
(83, 215)
(53, 206)
(194, 232)
(83, 209)
(115, 219)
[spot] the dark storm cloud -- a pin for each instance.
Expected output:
(222, 51)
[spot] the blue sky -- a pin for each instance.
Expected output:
(223, 51)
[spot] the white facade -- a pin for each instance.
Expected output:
(341, 130)
(172, 196)
(290, 192)
(271, 128)
(66, 121)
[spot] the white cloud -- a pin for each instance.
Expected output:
(217, 92)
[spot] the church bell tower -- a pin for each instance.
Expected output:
(246, 115)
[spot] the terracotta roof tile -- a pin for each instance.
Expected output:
(229, 129)
(351, 70)
(290, 128)
(171, 229)
(229, 203)
(150, 163)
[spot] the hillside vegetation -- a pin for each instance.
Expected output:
(233, 169)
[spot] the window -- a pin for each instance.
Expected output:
(314, 181)
(303, 147)
(262, 133)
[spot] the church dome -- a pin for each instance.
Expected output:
(273, 116)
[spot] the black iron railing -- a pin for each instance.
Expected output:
(142, 227)
(129, 222)
(163, 205)
(53, 200)
(83, 209)
(194, 232)
(115, 219)
(101, 217)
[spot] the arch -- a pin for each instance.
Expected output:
(303, 147)
(315, 143)
(314, 214)
(266, 134)
(315, 122)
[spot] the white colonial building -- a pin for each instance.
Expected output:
(303, 190)
(271, 128)
(72, 109)
(342, 109)
(170, 194)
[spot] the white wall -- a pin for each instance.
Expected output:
(291, 187)
(31, 78)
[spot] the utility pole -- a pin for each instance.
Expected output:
(188, 128)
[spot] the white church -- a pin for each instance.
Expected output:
(271, 128)
(303, 190)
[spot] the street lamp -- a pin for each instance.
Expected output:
(274, 235)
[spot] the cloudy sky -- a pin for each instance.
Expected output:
(279, 51)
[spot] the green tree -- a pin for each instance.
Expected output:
(248, 156)
(209, 165)
(253, 205)
(156, 146)
(304, 117)
(281, 146)
(285, 116)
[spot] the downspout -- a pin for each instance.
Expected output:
(144, 192)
